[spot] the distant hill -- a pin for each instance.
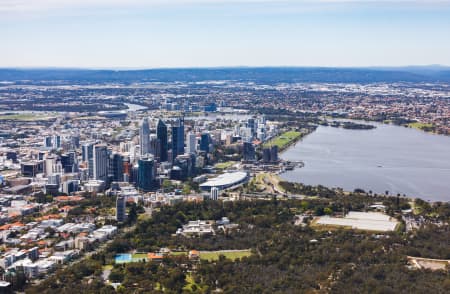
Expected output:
(255, 74)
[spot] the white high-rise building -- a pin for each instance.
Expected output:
(191, 143)
(144, 136)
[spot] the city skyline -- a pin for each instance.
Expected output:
(194, 33)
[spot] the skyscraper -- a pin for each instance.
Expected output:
(205, 140)
(144, 139)
(146, 173)
(56, 142)
(191, 142)
(116, 167)
(249, 151)
(100, 166)
(161, 134)
(178, 138)
(274, 153)
(154, 146)
(88, 157)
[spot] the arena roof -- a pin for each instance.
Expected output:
(225, 180)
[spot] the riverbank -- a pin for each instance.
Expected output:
(388, 158)
(285, 140)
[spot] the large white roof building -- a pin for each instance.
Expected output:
(225, 181)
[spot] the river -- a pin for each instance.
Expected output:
(387, 158)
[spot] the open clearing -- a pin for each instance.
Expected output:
(428, 263)
(224, 165)
(25, 117)
(284, 139)
(214, 255)
(229, 254)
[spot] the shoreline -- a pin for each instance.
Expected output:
(412, 198)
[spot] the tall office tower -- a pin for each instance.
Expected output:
(144, 139)
(205, 140)
(49, 165)
(274, 153)
(178, 138)
(116, 167)
(146, 173)
(48, 142)
(266, 155)
(249, 152)
(191, 142)
(183, 167)
(161, 134)
(252, 125)
(154, 146)
(56, 141)
(69, 162)
(121, 214)
(261, 133)
(87, 155)
(100, 166)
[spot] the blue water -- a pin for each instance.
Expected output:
(123, 258)
(388, 158)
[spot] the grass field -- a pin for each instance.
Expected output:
(177, 253)
(224, 165)
(232, 255)
(419, 125)
(284, 139)
(25, 117)
(214, 255)
(139, 255)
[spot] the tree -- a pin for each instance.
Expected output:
(167, 185)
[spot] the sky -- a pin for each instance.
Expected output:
(212, 33)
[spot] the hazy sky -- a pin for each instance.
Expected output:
(194, 33)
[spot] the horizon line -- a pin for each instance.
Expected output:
(124, 68)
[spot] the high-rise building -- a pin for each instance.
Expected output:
(144, 139)
(270, 154)
(116, 167)
(178, 138)
(183, 167)
(48, 142)
(68, 162)
(88, 157)
(49, 165)
(154, 146)
(100, 162)
(205, 140)
(274, 153)
(146, 173)
(56, 142)
(121, 214)
(191, 143)
(161, 134)
(266, 155)
(249, 151)
(252, 125)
